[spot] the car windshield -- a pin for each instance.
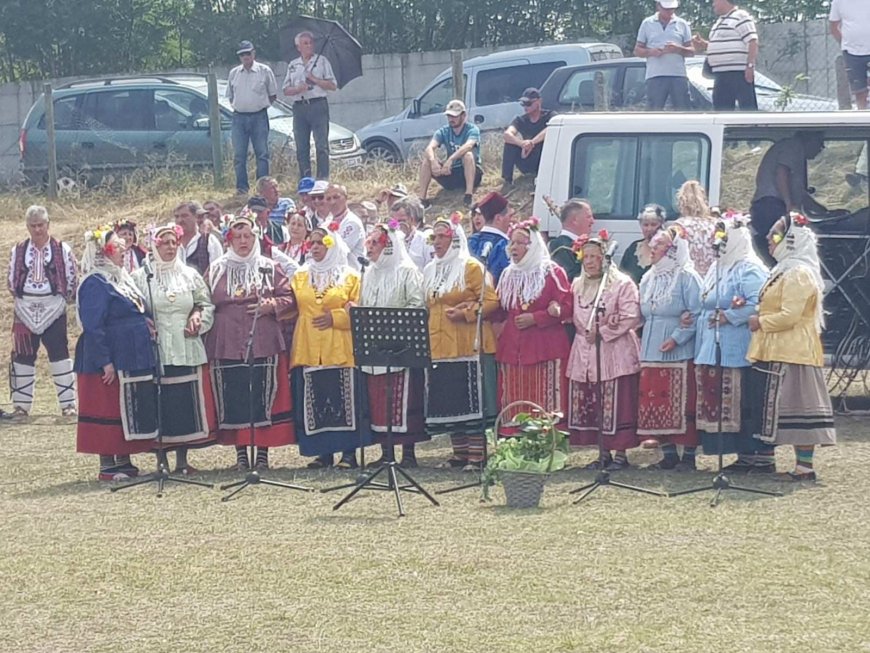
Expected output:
(279, 109)
(694, 69)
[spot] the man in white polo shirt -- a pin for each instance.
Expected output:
(251, 90)
(665, 40)
(850, 25)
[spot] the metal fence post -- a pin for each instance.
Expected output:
(214, 125)
(52, 144)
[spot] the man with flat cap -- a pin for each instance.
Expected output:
(490, 243)
(251, 90)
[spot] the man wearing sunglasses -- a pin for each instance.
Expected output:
(524, 138)
(251, 90)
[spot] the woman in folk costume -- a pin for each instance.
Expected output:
(241, 281)
(698, 224)
(326, 384)
(620, 362)
(535, 296)
(134, 253)
(180, 304)
(741, 274)
(114, 360)
(791, 398)
(670, 299)
(393, 280)
(459, 396)
(296, 245)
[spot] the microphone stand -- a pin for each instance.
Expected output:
(602, 478)
(162, 475)
(721, 481)
(253, 476)
(478, 348)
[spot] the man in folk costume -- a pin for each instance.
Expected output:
(42, 278)
(459, 395)
(394, 281)
(497, 216)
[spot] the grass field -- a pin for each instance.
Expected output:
(85, 570)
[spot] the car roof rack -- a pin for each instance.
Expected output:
(109, 81)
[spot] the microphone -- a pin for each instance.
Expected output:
(487, 248)
(718, 244)
(149, 271)
(611, 250)
(363, 261)
(265, 270)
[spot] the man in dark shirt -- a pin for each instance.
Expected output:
(524, 138)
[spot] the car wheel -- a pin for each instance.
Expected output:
(383, 151)
(66, 185)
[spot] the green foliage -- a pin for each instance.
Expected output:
(787, 93)
(55, 38)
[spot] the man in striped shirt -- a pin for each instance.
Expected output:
(731, 54)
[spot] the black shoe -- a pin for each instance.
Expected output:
(467, 200)
(768, 468)
(738, 467)
(321, 462)
(667, 463)
(347, 462)
(409, 461)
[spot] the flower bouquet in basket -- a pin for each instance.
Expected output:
(522, 462)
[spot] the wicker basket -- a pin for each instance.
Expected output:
(523, 489)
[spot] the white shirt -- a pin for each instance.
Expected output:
(419, 249)
(215, 249)
(489, 229)
(353, 233)
(570, 234)
(251, 90)
(854, 19)
(297, 73)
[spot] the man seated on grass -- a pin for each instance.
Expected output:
(462, 168)
(524, 138)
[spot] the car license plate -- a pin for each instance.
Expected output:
(352, 162)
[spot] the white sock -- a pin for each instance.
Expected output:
(22, 379)
(64, 382)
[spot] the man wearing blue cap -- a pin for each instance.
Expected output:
(251, 90)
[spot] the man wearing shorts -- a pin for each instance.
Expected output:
(462, 168)
(850, 25)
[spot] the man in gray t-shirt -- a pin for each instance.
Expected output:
(781, 182)
(665, 40)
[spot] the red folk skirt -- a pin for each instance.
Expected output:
(667, 404)
(619, 397)
(409, 424)
(544, 384)
(100, 429)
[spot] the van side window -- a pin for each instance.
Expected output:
(621, 174)
(121, 109)
(437, 98)
(507, 84)
(579, 90)
(66, 115)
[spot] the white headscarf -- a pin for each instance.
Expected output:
(659, 283)
(798, 249)
(332, 270)
(736, 248)
(242, 272)
(383, 278)
(95, 261)
(523, 282)
(443, 275)
(171, 276)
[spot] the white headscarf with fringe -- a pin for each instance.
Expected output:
(659, 283)
(171, 276)
(446, 274)
(242, 272)
(736, 248)
(333, 269)
(523, 282)
(796, 250)
(383, 279)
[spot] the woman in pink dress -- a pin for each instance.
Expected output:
(620, 359)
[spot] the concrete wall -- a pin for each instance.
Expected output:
(390, 81)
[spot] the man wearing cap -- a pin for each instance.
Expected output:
(195, 250)
(577, 220)
(271, 232)
(306, 203)
(350, 227)
(731, 54)
(462, 168)
(497, 216)
(308, 81)
(251, 90)
(524, 138)
(322, 215)
(279, 207)
(665, 40)
(390, 196)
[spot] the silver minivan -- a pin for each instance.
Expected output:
(493, 84)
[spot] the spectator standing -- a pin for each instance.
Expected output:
(308, 81)
(850, 25)
(462, 168)
(251, 90)
(577, 220)
(524, 138)
(665, 40)
(731, 54)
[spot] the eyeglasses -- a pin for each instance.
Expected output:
(331, 198)
(246, 54)
(317, 198)
(527, 103)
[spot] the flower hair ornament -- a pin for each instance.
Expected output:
(530, 224)
(155, 234)
(601, 239)
(99, 235)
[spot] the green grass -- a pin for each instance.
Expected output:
(87, 570)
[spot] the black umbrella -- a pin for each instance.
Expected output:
(331, 41)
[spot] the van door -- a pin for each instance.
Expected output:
(418, 128)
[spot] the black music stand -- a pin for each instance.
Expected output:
(391, 338)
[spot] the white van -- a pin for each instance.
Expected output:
(493, 86)
(622, 161)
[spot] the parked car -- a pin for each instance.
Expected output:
(117, 125)
(493, 84)
(571, 89)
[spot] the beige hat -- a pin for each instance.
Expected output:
(455, 108)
